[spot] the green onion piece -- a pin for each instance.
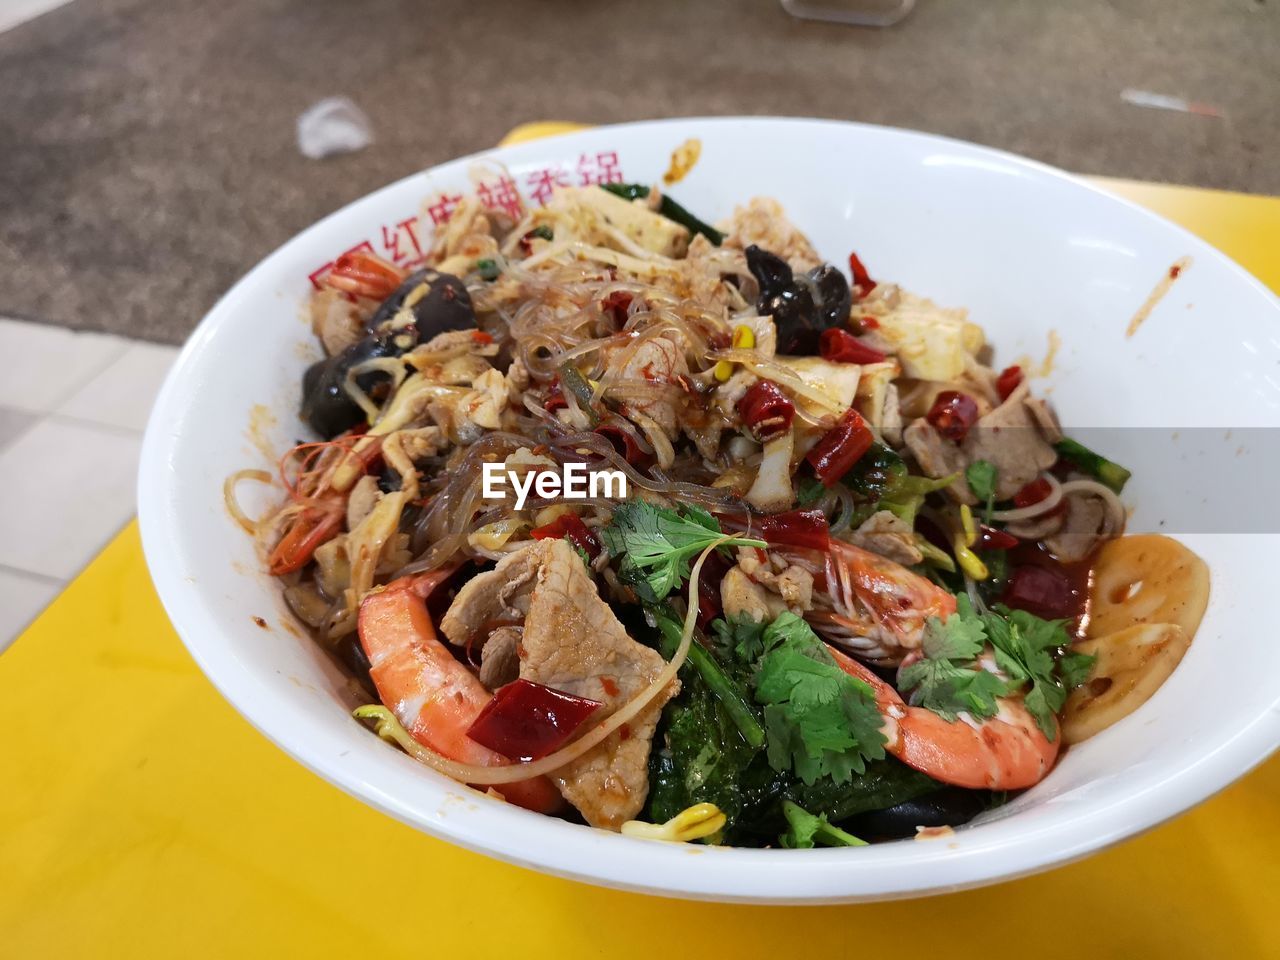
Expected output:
(571, 379)
(1108, 471)
(627, 191)
(668, 208)
(488, 269)
(934, 556)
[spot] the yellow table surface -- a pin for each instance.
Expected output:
(140, 816)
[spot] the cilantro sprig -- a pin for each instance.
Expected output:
(1031, 652)
(1027, 649)
(657, 546)
(805, 830)
(948, 679)
(820, 721)
(981, 477)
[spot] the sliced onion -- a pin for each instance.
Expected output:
(1035, 509)
(1115, 508)
(393, 366)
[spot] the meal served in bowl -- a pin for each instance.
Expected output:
(841, 578)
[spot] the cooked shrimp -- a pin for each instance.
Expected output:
(434, 696)
(872, 606)
(1006, 752)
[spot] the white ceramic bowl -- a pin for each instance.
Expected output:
(1027, 249)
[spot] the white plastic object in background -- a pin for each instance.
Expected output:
(333, 126)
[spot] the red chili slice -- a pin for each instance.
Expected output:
(1035, 491)
(840, 448)
(766, 410)
(952, 414)
(554, 398)
(1008, 381)
(840, 346)
(569, 526)
(861, 278)
(798, 528)
(527, 721)
(989, 538)
(616, 306)
(623, 442)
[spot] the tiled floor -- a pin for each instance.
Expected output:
(72, 410)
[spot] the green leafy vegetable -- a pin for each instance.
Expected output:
(876, 473)
(700, 755)
(905, 497)
(981, 476)
(741, 638)
(819, 720)
(710, 734)
(762, 790)
(657, 545)
(807, 829)
(1074, 668)
(1108, 471)
(809, 490)
(731, 694)
(668, 208)
(880, 481)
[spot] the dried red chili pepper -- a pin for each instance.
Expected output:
(623, 442)
(616, 306)
(807, 529)
(554, 398)
(766, 410)
(840, 346)
(1008, 381)
(861, 279)
(952, 414)
(840, 448)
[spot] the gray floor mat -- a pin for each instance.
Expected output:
(148, 151)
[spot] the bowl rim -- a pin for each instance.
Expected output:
(881, 872)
